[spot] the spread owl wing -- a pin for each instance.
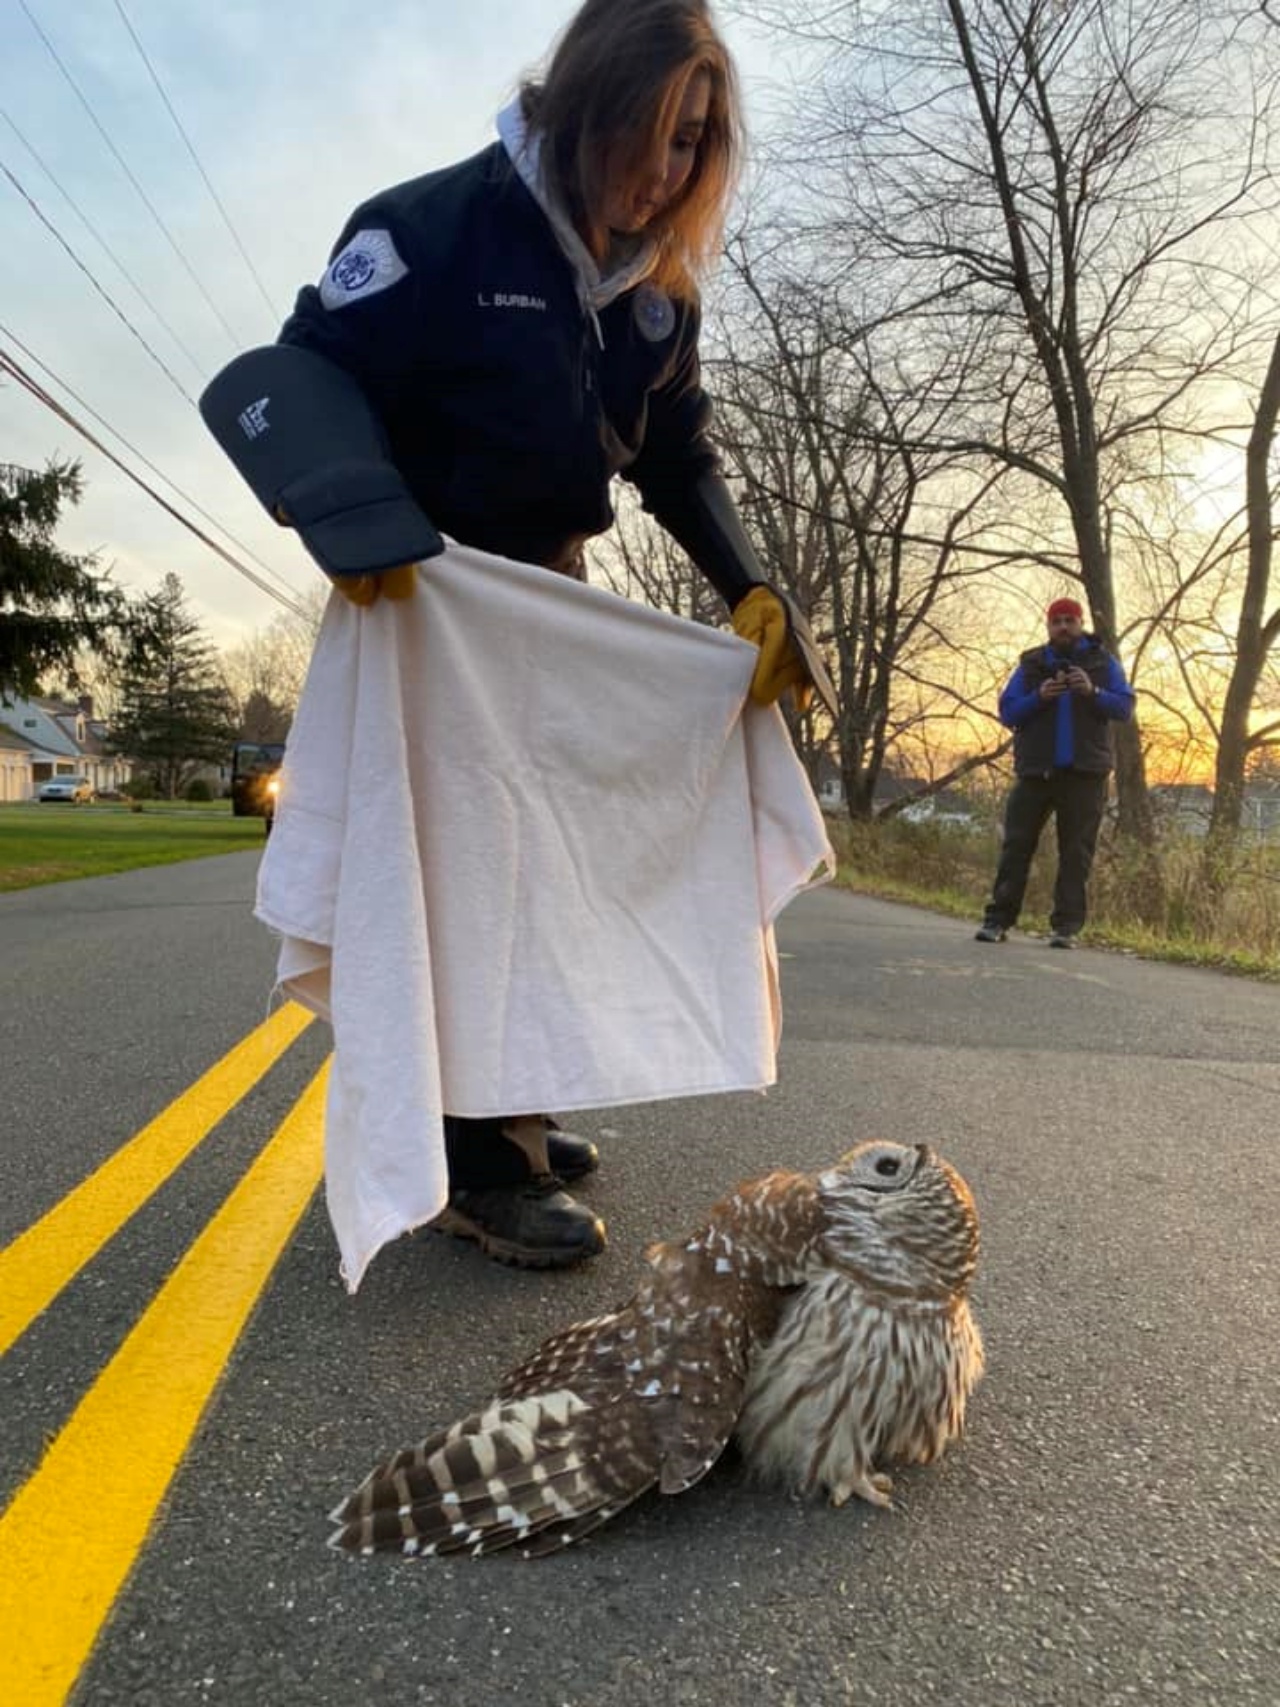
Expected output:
(646, 1396)
(558, 1452)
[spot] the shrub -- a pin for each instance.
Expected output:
(198, 789)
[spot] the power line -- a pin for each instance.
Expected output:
(15, 369)
(102, 291)
(93, 231)
(142, 458)
(226, 217)
(237, 342)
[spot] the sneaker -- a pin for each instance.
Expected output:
(990, 933)
(535, 1225)
(569, 1156)
(1062, 939)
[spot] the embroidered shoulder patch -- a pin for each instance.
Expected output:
(367, 264)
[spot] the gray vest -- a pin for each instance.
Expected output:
(1033, 744)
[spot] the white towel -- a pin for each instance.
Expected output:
(530, 845)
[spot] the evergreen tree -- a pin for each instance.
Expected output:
(176, 712)
(51, 603)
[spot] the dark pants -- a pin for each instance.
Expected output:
(1076, 799)
(480, 1158)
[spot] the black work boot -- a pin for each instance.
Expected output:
(568, 1155)
(532, 1225)
(548, 1149)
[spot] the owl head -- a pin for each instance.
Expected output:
(901, 1219)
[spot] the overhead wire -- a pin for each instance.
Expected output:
(98, 238)
(237, 342)
(146, 462)
(191, 150)
(14, 368)
(101, 289)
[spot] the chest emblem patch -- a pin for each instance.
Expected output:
(655, 314)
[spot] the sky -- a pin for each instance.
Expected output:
(296, 114)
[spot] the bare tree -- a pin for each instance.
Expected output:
(869, 530)
(1255, 635)
(640, 561)
(265, 673)
(1206, 646)
(1072, 177)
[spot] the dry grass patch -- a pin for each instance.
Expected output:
(951, 869)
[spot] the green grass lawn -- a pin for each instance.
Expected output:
(52, 843)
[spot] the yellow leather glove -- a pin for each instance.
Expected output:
(761, 618)
(396, 583)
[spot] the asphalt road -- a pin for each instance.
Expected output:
(1109, 1531)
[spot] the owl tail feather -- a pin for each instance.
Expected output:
(496, 1479)
(559, 1535)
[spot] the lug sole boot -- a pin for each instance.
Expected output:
(534, 1225)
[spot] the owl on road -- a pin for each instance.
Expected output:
(821, 1319)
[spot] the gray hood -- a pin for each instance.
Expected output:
(596, 290)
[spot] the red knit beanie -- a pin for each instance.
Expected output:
(1065, 607)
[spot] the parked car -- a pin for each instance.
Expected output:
(929, 812)
(76, 789)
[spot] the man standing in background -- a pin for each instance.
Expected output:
(1060, 703)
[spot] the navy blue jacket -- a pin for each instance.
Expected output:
(507, 414)
(1071, 732)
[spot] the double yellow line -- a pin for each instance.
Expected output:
(74, 1529)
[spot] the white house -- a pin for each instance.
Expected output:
(16, 758)
(43, 738)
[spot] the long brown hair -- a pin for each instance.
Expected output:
(608, 91)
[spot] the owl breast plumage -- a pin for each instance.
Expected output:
(823, 1320)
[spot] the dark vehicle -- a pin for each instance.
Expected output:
(255, 779)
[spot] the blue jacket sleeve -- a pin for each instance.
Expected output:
(1019, 703)
(1115, 698)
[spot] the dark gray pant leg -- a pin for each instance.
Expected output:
(1081, 802)
(480, 1158)
(1026, 810)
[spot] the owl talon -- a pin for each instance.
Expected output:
(875, 1489)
